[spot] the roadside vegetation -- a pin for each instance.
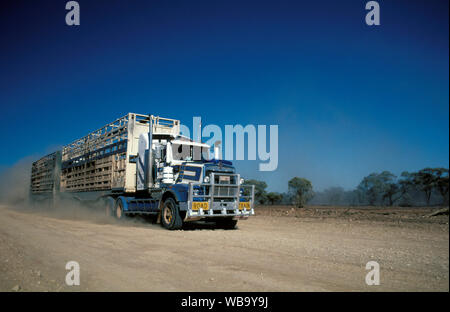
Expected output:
(426, 187)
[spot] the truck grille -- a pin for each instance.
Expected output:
(225, 189)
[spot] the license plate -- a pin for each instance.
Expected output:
(244, 205)
(198, 205)
(224, 178)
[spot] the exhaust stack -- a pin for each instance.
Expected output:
(217, 150)
(150, 153)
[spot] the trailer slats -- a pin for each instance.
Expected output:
(99, 161)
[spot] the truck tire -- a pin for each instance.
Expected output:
(118, 211)
(170, 215)
(226, 223)
(109, 204)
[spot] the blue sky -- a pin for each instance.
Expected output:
(349, 99)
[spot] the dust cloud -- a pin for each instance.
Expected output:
(14, 194)
(15, 182)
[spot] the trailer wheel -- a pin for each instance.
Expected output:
(109, 206)
(226, 223)
(170, 215)
(119, 210)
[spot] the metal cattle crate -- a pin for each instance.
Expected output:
(103, 159)
(45, 174)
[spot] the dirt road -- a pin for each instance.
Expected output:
(264, 254)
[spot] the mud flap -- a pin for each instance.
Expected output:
(158, 217)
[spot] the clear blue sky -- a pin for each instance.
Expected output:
(349, 99)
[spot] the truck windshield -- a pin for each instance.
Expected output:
(189, 152)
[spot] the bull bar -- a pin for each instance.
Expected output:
(215, 200)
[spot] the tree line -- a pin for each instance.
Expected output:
(429, 186)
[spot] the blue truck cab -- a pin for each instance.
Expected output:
(187, 186)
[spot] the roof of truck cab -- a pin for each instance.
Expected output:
(190, 143)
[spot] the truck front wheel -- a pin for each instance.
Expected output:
(170, 215)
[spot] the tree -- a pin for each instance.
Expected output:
(260, 190)
(406, 187)
(389, 187)
(370, 189)
(274, 198)
(286, 198)
(385, 187)
(379, 187)
(425, 181)
(301, 190)
(442, 183)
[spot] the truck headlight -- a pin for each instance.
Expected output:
(206, 179)
(241, 181)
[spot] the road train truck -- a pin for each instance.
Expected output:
(141, 164)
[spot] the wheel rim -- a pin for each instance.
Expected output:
(167, 215)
